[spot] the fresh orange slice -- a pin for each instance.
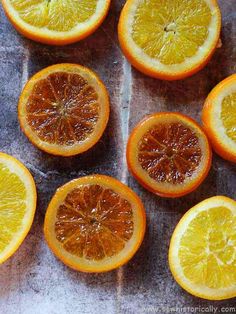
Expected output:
(17, 204)
(202, 249)
(169, 39)
(64, 109)
(169, 154)
(56, 22)
(94, 223)
(219, 118)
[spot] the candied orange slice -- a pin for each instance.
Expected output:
(64, 109)
(94, 223)
(169, 154)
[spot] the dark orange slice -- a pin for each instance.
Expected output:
(94, 223)
(169, 154)
(64, 109)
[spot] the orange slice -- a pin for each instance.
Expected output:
(17, 204)
(64, 109)
(169, 154)
(94, 223)
(202, 249)
(56, 22)
(169, 39)
(219, 118)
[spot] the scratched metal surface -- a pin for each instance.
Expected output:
(33, 281)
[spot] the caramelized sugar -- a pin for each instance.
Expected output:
(94, 222)
(63, 109)
(170, 152)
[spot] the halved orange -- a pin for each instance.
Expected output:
(94, 223)
(202, 249)
(169, 154)
(169, 39)
(219, 118)
(56, 22)
(64, 109)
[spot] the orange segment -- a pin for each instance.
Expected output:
(64, 109)
(56, 22)
(219, 118)
(94, 223)
(169, 154)
(169, 39)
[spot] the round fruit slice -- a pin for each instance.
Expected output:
(95, 223)
(169, 154)
(202, 254)
(64, 109)
(219, 118)
(56, 22)
(17, 204)
(169, 39)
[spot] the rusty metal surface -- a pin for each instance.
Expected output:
(33, 281)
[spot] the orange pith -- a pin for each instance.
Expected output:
(94, 223)
(169, 154)
(62, 109)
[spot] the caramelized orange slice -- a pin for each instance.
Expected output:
(64, 109)
(169, 154)
(94, 223)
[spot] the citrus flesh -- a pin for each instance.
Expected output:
(102, 226)
(92, 226)
(17, 204)
(228, 115)
(219, 118)
(169, 38)
(54, 15)
(202, 250)
(64, 110)
(168, 154)
(56, 22)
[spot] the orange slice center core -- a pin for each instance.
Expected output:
(169, 152)
(63, 109)
(94, 222)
